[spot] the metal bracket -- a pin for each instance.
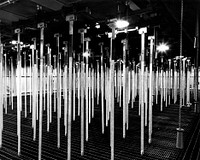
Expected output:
(71, 17)
(41, 25)
(125, 42)
(33, 39)
(18, 30)
(82, 30)
(65, 42)
(101, 44)
(57, 35)
(189, 104)
(87, 39)
(143, 30)
(109, 35)
(179, 57)
(151, 37)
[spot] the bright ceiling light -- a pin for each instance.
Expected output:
(162, 47)
(121, 24)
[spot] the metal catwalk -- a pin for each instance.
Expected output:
(163, 144)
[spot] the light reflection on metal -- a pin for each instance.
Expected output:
(120, 24)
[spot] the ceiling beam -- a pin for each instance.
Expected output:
(9, 17)
(68, 3)
(51, 4)
(133, 6)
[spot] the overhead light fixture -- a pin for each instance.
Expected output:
(163, 47)
(120, 24)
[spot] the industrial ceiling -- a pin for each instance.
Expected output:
(162, 15)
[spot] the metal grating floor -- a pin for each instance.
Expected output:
(97, 148)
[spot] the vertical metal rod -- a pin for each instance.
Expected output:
(165, 86)
(82, 109)
(70, 19)
(180, 65)
(82, 31)
(112, 93)
(12, 82)
(188, 82)
(32, 61)
(30, 83)
(127, 87)
(86, 88)
(57, 36)
(25, 92)
(197, 108)
(107, 94)
(74, 87)
(35, 85)
(1, 93)
(169, 80)
(124, 87)
(142, 31)
(5, 84)
(145, 95)
(117, 80)
(65, 82)
(90, 93)
(140, 87)
(36, 81)
(102, 89)
(18, 91)
(112, 110)
(59, 99)
(48, 86)
(183, 82)
(44, 83)
(175, 81)
(157, 83)
(179, 139)
(151, 38)
(120, 83)
(161, 85)
(54, 84)
(92, 77)
(98, 80)
(133, 84)
(79, 84)
(41, 26)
